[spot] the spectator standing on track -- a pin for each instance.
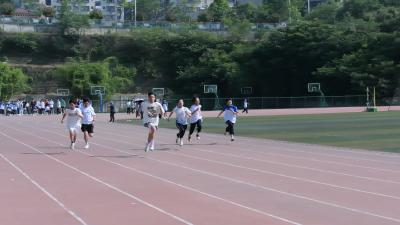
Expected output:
(58, 105)
(2, 108)
(245, 106)
(112, 113)
(74, 117)
(182, 114)
(151, 111)
(28, 108)
(42, 106)
(128, 107)
(230, 112)
(89, 117)
(63, 105)
(196, 120)
(51, 105)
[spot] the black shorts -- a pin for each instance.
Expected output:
(87, 128)
(148, 125)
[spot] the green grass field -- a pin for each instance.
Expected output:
(373, 131)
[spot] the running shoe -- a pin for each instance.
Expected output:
(152, 146)
(147, 148)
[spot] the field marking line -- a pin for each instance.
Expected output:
(168, 181)
(308, 152)
(279, 191)
(101, 181)
(282, 164)
(263, 187)
(284, 175)
(42, 189)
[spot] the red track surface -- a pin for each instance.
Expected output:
(214, 181)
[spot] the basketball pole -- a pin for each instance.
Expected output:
(374, 98)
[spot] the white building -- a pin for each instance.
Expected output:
(112, 10)
(198, 4)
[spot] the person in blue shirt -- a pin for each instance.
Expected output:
(230, 112)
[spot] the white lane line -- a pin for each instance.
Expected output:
(263, 187)
(281, 164)
(286, 148)
(102, 182)
(278, 191)
(327, 147)
(169, 181)
(52, 197)
(297, 151)
(283, 175)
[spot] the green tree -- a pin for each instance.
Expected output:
(69, 21)
(325, 12)
(12, 81)
(218, 10)
(245, 12)
(360, 9)
(96, 15)
(215, 66)
(47, 11)
(80, 75)
(7, 8)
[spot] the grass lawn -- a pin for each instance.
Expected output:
(374, 131)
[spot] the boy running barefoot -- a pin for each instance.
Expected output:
(230, 112)
(182, 113)
(74, 116)
(89, 117)
(151, 111)
(196, 119)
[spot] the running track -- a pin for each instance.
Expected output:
(213, 182)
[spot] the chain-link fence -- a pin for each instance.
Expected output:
(256, 102)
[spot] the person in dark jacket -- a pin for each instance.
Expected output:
(112, 113)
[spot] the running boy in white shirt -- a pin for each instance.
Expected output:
(151, 111)
(196, 119)
(89, 117)
(74, 116)
(230, 112)
(182, 113)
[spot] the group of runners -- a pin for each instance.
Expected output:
(82, 117)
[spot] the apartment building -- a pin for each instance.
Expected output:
(112, 10)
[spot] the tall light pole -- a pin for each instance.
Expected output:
(308, 6)
(135, 14)
(290, 11)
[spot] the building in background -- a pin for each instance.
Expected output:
(197, 4)
(112, 10)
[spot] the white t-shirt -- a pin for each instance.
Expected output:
(245, 104)
(88, 113)
(73, 119)
(181, 115)
(197, 115)
(230, 113)
(151, 112)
